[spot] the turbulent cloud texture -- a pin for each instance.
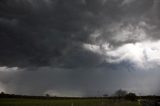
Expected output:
(78, 37)
(143, 55)
(45, 32)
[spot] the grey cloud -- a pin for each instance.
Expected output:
(52, 33)
(83, 82)
(45, 32)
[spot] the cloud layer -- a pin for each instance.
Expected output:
(80, 82)
(55, 44)
(41, 33)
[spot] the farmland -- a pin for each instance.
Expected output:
(65, 102)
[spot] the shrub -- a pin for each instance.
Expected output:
(131, 97)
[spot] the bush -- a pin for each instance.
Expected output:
(120, 93)
(131, 97)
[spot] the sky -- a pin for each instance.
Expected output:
(79, 47)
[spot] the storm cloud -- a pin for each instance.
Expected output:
(46, 32)
(81, 39)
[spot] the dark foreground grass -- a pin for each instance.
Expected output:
(66, 102)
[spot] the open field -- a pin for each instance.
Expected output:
(65, 102)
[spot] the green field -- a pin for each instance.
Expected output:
(66, 102)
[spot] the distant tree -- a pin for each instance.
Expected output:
(2, 93)
(131, 97)
(120, 93)
(47, 95)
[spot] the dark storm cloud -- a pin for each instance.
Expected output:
(86, 47)
(52, 32)
(41, 35)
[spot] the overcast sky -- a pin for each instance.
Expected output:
(79, 47)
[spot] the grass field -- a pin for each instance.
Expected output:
(66, 102)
